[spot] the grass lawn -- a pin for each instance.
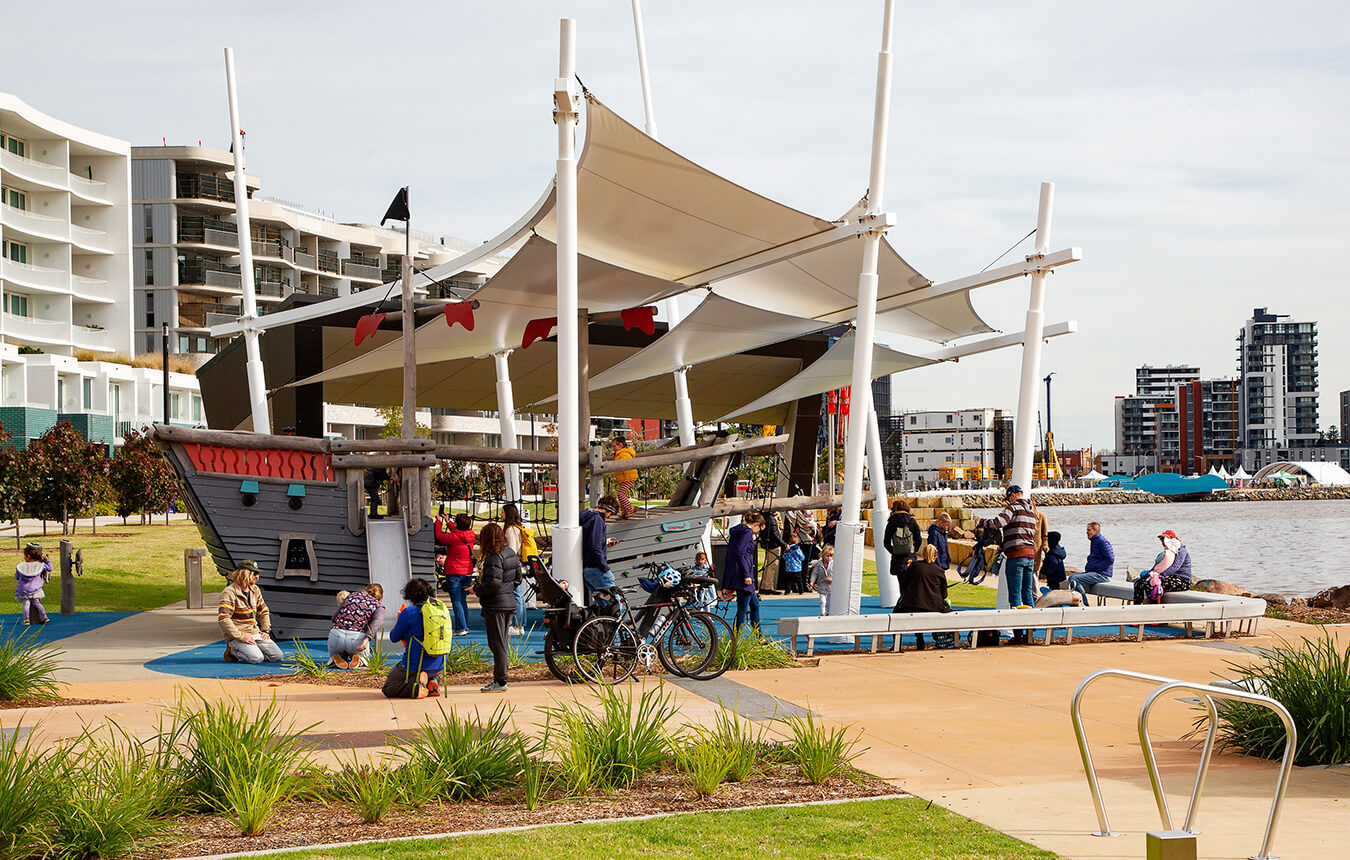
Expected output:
(907, 828)
(960, 593)
(126, 568)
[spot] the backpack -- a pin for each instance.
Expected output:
(437, 627)
(528, 547)
(902, 541)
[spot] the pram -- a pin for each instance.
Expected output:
(562, 619)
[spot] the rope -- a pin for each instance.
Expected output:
(1007, 252)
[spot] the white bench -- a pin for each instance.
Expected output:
(1213, 609)
(1241, 609)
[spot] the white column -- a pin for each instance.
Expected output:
(849, 537)
(684, 407)
(567, 533)
(887, 586)
(409, 336)
(506, 416)
(1024, 434)
(257, 381)
(649, 110)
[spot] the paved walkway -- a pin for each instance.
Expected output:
(985, 732)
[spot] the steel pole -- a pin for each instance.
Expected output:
(849, 535)
(506, 417)
(1024, 436)
(409, 335)
(257, 380)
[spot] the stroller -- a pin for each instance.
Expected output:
(974, 572)
(562, 619)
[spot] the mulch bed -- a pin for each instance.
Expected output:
(32, 702)
(299, 824)
(1299, 610)
(340, 678)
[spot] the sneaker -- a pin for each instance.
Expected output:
(23, 623)
(464, 632)
(433, 688)
(494, 687)
(513, 630)
(339, 661)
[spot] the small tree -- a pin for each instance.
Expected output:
(393, 423)
(142, 482)
(11, 483)
(65, 475)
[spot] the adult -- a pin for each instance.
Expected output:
(595, 542)
(923, 587)
(373, 481)
(832, 518)
(1172, 571)
(497, 594)
(521, 540)
(1042, 538)
(738, 571)
(417, 674)
(1100, 564)
(771, 540)
(244, 619)
(902, 537)
(803, 525)
(358, 620)
(626, 478)
(937, 538)
(1018, 522)
(458, 545)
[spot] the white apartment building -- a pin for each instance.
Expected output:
(186, 249)
(967, 437)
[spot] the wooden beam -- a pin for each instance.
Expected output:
(732, 507)
(387, 461)
(238, 439)
(353, 446)
(476, 454)
(691, 453)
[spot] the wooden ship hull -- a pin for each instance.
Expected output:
(296, 506)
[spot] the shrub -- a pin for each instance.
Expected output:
(303, 663)
(1313, 683)
(520, 650)
(612, 745)
(379, 655)
(465, 658)
(371, 789)
(740, 745)
(465, 758)
(28, 668)
(28, 790)
(818, 751)
(110, 794)
(704, 763)
(754, 651)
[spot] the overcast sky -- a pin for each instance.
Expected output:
(1199, 149)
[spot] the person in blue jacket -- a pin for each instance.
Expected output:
(417, 675)
(738, 573)
(1100, 562)
(937, 538)
(595, 572)
(1052, 567)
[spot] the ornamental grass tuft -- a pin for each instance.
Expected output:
(819, 751)
(458, 758)
(28, 668)
(614, 741)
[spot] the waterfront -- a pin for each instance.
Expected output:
(1293, 548)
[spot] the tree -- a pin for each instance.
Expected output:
(65, 475)
(1333, 435)
(142, 481)
(11, 482)
(393, 423)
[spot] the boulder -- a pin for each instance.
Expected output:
(1275, 599)
(1331, 598)
(1217, 586)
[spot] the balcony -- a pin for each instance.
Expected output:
(37, 277)
(211, 274)
(199, 186)
(92, 337)
(272, 249)
(36, 328)
(90, 189)
(305, 260)
(92, 289)
(360, 269)
(328, 262)
(54, 175)
(205, 314)
(90, 240)
(41, 226)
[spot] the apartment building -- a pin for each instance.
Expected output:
(1277, 365)
(185, 261)
(1208, 412)
(972, 438)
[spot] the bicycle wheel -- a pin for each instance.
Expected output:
(688, 644)
(605, 650)
(560, 659)
(724, 648)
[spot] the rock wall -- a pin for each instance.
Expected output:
(1137, 497)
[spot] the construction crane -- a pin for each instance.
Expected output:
(1050, 470)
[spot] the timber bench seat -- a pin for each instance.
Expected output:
(1211, 610)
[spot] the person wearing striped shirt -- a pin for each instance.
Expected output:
(1018, 522)
(245, 620)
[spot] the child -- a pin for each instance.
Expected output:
(707, 595)
(341, 596)
(822, 574)
(31, 573)
(793, 557)
(1052, 566)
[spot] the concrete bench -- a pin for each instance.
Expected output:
(1217, 609)
(1241, 610)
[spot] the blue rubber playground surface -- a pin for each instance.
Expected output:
(58, 626)
(206, 661)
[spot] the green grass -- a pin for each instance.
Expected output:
(862, 830)
(126, 568)
(960, 593)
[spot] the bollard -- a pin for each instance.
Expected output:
(67, 579)
(1170, 845)
(192, 576)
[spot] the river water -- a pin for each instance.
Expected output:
(1293, 548)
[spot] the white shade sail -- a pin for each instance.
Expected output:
(832, 370)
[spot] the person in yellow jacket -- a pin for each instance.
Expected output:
(625, 479)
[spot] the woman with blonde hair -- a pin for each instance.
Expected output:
(923, 588)
(244, 619)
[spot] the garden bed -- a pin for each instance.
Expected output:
(301, 824)
(47, 702)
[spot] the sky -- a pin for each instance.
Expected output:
(1199, 149)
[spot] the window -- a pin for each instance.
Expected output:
(173, 405)
(14, 145)
(14, 198)
(116, 404)
(149, 269)
(196, 409)
(148, 224)
(87, 393)
(16, 304)
(949, 419)
(15, 251)
(150, 319)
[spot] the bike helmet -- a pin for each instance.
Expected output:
(669, 578)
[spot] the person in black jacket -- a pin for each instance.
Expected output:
(923, 588)
(496, 592)
(902, 538)
(771, 541)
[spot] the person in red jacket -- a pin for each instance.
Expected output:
(458, 544)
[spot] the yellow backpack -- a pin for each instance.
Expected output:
(528, 548)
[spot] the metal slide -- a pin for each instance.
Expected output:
(387, 552)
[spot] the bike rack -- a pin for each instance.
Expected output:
(1208, 693)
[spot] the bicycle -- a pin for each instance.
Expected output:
(686, 641)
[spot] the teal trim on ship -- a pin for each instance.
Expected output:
(1166, 484)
